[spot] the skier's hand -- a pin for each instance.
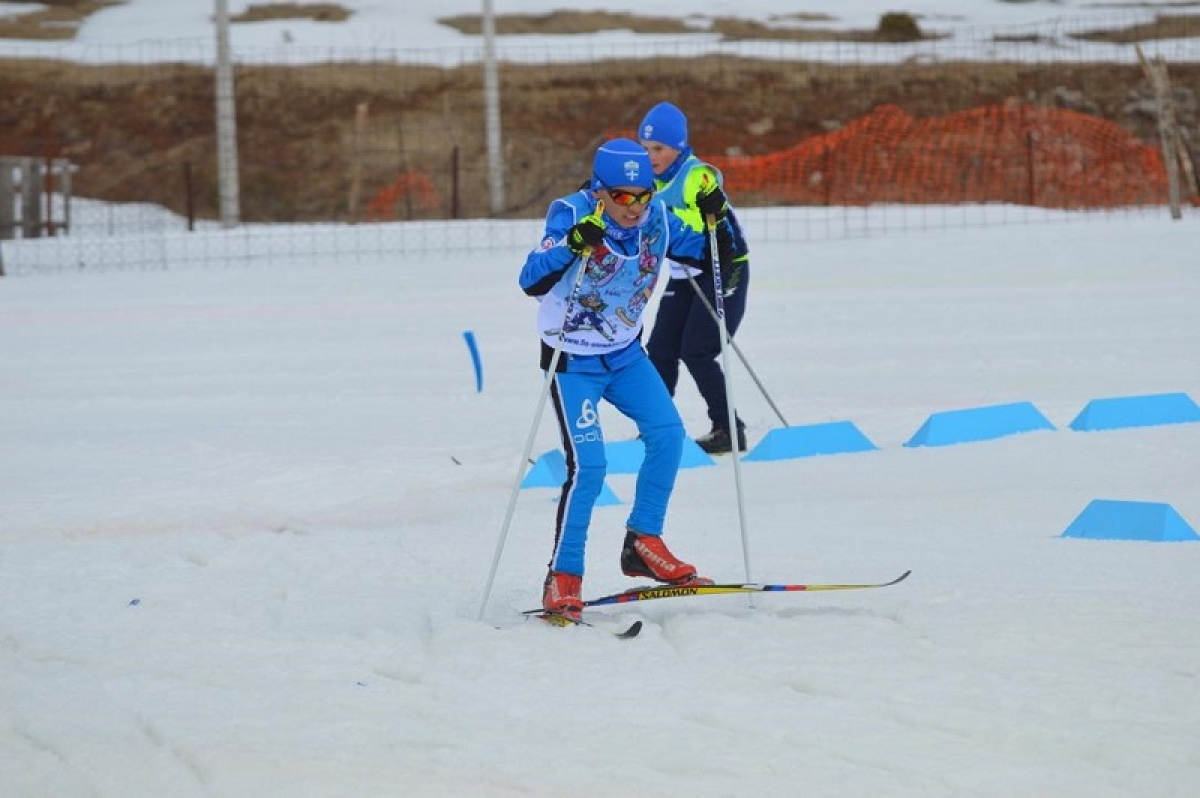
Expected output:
(586, 234)
(711, 200)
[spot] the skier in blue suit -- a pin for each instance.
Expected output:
(684, 330)
(599, 261)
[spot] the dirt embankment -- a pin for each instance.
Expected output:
(147, 133)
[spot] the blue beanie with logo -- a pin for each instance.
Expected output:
(665, 124)
(622, 162)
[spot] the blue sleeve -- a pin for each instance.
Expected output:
(547, 264)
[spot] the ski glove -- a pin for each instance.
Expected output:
(587, 233)
(711, 201)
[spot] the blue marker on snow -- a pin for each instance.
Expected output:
(469, 337)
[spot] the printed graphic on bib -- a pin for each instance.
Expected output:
(601, 310)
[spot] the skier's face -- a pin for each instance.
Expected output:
(626, 204)
(661, 155)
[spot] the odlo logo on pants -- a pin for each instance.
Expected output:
(587, 421)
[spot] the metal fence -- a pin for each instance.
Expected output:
(35, 197)
(350, 152)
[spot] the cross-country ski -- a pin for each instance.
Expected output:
(652, 592)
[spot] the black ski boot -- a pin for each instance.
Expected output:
(719, 441)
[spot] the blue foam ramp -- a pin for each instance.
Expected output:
(835, 437)
(1137, 411)
(625, 457)
(548, 471)
(979, 424)
(605, 499)
(1108, 519)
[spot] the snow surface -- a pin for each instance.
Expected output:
(247, 515)
(414, 23)
(182, 30)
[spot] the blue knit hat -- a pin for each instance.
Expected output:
(622, 162)
(665, 124)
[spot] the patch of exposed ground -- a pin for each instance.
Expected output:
(136, 131)
(1178, 26)
(59, 21)
(143, 132)
(62, 18)
(797, 27)
(785, 27)
(317, 12)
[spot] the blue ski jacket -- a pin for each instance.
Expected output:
(601, 320)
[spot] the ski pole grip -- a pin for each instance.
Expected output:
(599, 209)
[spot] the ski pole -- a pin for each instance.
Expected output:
(719, 312)
(537, 417)
(708, 306)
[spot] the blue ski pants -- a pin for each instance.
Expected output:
(636, 390)
(685, 330)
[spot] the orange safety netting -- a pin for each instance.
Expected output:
(409, 185)
(1011, 153)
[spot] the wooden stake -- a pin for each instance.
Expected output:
(356, 159)
(1168, 131)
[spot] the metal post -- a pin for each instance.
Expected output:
(188, 196)
(65, 188)
(491, 92)
(31, 198)
(48, 195)
(8, 199)
(227, 159)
